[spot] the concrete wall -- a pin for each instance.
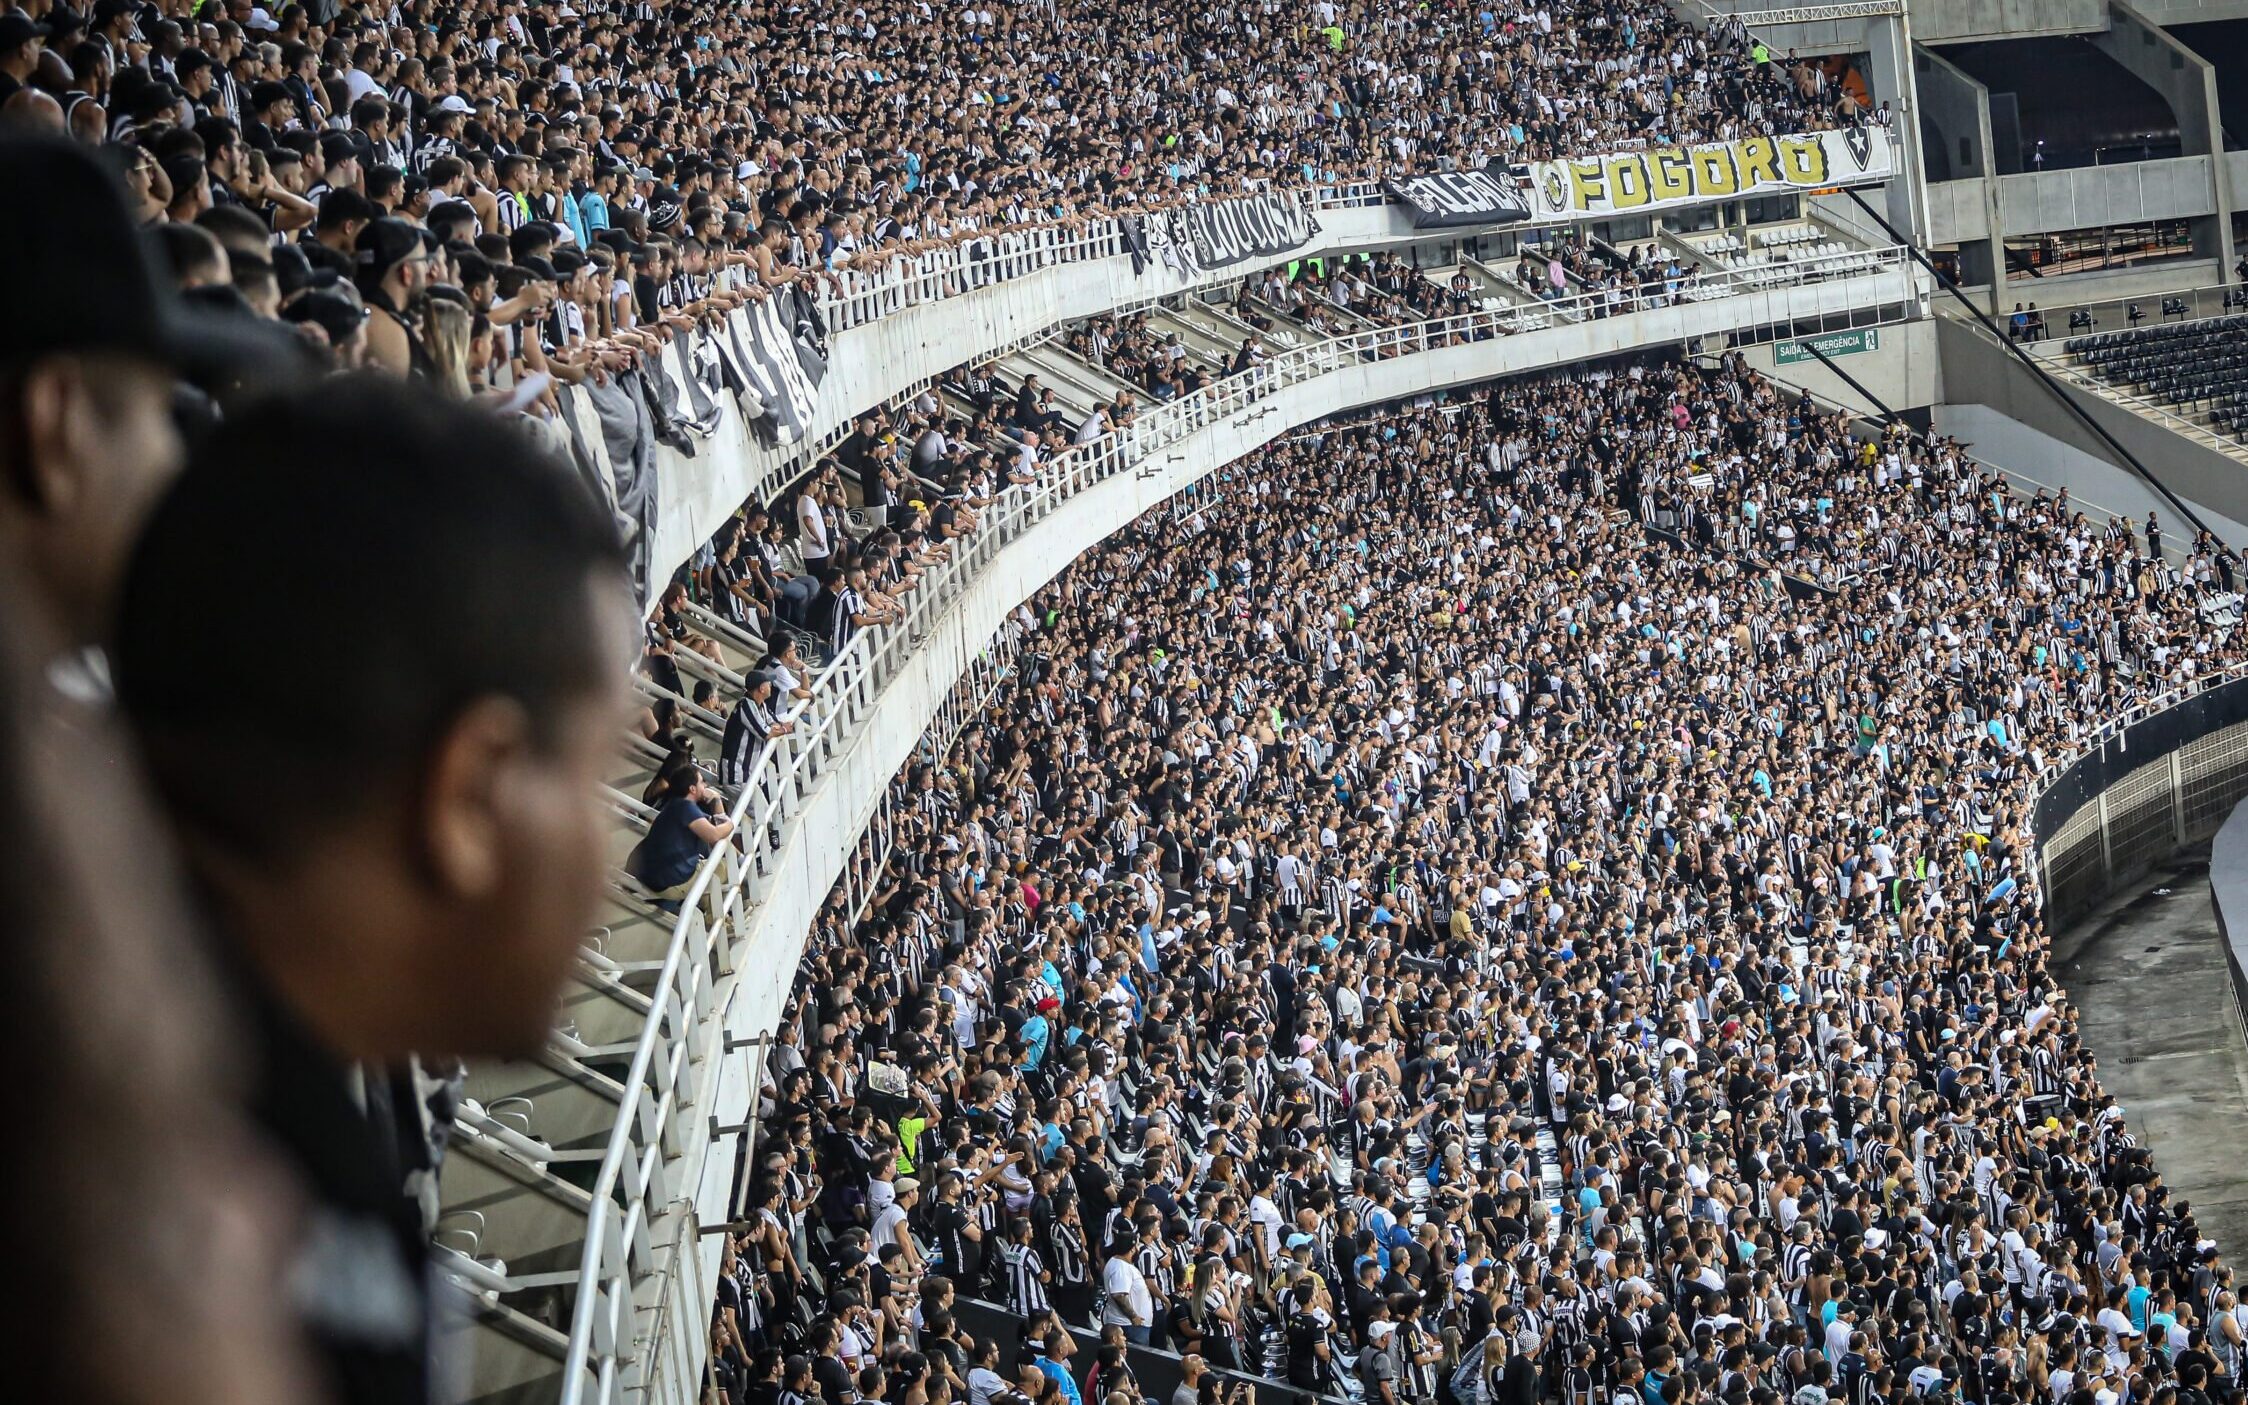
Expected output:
(1960, 21)
(1827, 34)
(1903, 373)
(871, 364)
(2188, 83)
(1956, 139)
(2083, 197)
(2169, 12)
(2100, 487)
(1973, 207)
(1975, 371)
(2105, 284)
(2228, 890)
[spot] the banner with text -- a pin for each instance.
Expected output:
(1221, 233)
(773, 355)
(1637, 182)
(1634, 182)
(1461, 198)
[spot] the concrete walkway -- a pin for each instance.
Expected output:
(2147, 974)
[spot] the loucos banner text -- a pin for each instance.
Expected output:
(1635, 182)
(1222, 233)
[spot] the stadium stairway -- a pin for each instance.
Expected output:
(512, 1191)
(1501, 282)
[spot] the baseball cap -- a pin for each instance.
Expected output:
(335, 313)
(17, 30)
(384, 244)
(97, 289)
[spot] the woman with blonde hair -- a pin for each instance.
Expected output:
(446, 333)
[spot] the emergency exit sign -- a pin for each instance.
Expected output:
(1788, 353)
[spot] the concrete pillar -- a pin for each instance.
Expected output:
(2188, 83)
(1890, 78)
(2177, 801)
(1956, 143)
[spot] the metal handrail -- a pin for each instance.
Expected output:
(788, 768)
(2110, 728)
(906, 280)
(2197, 298)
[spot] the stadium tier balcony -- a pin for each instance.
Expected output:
(605, 1146)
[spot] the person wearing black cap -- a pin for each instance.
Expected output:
(393, 271)
(87, 348)
(340, 320)
(271, 107)
(340, 168)
(20, 38)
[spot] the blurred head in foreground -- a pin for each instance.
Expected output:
(373, 645)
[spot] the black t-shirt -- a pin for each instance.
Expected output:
(1304, 1367)
(835, 1381)
(950, 1350)
(363, 1257)
(945, 1225)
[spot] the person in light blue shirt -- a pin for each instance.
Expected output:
(1038, 1033)
(593, 206)
(1053, 1369)
(566, 210)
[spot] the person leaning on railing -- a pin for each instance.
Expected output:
(689, 824)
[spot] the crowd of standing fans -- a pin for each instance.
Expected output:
(1460, 915)
(493, 195)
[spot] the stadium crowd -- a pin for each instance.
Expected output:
(487, 194)
(1457, 916)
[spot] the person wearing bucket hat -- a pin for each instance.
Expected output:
(91, 344)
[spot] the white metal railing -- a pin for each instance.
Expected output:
(2107, 729)
(2114, 314)
(628, 1190)
(906, 280)
(1753, 19)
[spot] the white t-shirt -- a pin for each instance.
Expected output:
(1838, 1334)
(889, 1228)
(1266, 1216)
(811, 529)
(1129, 1303)
(983, 1384)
